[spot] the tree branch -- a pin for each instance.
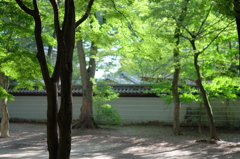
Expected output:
(185, 37)
(188, 31)
(85, 16)
(38, 36)
(56, 18)
(82, 61)
(25, 8)
(115, 7)
(183, 12)
(92, 61)
(205, 19)
(56, 72)
(216, 37)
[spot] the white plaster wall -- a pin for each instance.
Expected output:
(131, 109)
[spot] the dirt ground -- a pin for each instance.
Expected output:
(28, 141)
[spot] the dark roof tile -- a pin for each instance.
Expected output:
(123, 89)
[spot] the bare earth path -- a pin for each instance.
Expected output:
(28, 141)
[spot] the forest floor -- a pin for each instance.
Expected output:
(28, 141)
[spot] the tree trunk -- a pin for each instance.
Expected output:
(51, 88)
(5, 119)
(65, 115)
(200, 126)
(59, 146)
(52, 128)
(176, 58)
(176, 99)
(86, 119)
(5, 115)
(213, 132)
(177, 104)
(237, 12)
(66, 51)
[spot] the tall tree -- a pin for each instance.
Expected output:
(87, 75)
(237, 17)
(16, 60)
(87, 72)
(231, 9)
(176, 58)
(194, 18)
(97, 33)
(195, 34)
(5, 115)
(59, 146)
(161, 32)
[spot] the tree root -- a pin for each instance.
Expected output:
(210, 141)
(90, 124)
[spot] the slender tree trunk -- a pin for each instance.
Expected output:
(176, 58)
(213, 131)
(237, 12)
(52, 128)
(65, 111)
(5, 115)
(86, 115)
(59, 146)
(65, 115)
(200, 118)
(5, 119)
(175, 93)
(85, 118)
(177, 104)
(200, 114)
(52, 91)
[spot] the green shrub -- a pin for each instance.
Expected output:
(104, 113)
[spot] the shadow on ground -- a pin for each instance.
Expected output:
(28, 141)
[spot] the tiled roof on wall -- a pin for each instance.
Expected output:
(123, 90)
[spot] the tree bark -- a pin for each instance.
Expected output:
(66, 52)
(200, 118)
(5, 119)
(51, 88)
(5, 115)
(213, 131)
(175, 93)
(237, 15)
(86, 119)
(176, 58)
(52, 127)
(58, 146)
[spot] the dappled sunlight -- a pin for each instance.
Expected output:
(172, 154)
(94, 156)
(142, 147)
(38, 154)
(134, 142)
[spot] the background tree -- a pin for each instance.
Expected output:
(162, 16)
(15, 55)
(98, 33)
(160, 31)
(176, 58)
(194, 35)
(231, 9)
(5, 114)
(87, 72)
(87, 77)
